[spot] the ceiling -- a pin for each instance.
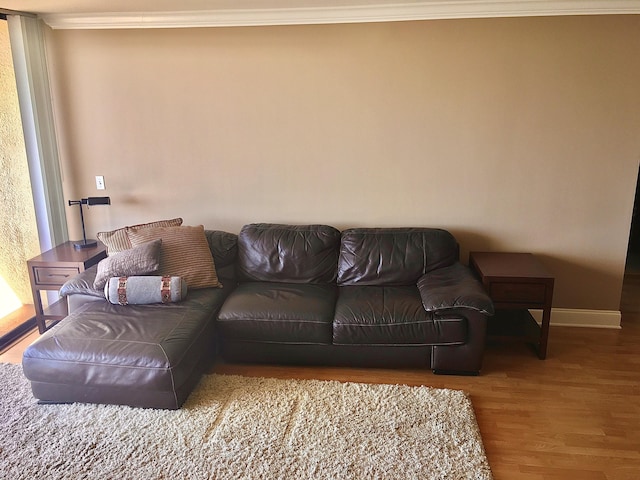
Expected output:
(189, 13)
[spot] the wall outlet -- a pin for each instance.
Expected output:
(99, 182)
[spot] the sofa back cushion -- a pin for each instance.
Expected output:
(393, 256)
(288, 253)
(224, 249)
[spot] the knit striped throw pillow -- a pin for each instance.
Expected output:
(118, 241)
(184, 253)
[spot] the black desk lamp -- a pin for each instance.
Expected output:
(84, 243)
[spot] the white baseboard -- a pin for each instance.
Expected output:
(572, 317)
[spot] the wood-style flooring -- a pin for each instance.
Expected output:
(575, 415)
(15, 318)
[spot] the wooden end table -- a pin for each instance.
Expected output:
(516, 282)
(51, 269)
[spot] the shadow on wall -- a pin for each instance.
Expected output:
(585, 284)
(576, 283)
(471, 241)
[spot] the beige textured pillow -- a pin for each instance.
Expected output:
(118, 241)
(185, 253)
(140, 260)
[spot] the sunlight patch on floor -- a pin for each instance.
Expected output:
(9, 301)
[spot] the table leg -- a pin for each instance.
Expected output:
(544, 333)
(40, 322)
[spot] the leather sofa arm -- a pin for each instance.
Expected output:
(453, 287)
(82, 284)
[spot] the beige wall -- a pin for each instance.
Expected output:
(515, 134)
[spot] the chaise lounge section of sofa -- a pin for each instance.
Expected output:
(148, 356)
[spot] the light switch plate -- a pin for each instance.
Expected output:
(99, 182)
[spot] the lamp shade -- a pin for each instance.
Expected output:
(97, 200)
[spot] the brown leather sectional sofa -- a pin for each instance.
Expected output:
(385, 297)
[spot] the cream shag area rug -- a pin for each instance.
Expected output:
(235, 427)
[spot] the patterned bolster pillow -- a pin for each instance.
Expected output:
(143, 290)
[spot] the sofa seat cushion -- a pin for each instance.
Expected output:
(108, 348)
(279, 312)
(373, 315)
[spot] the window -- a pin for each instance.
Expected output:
(30, 181)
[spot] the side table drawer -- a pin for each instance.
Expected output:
(53, 275)
(517, 292)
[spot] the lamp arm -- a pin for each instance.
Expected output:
(84, 234)
(79, 203)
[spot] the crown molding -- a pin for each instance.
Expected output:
(6, 11)
(392, 12)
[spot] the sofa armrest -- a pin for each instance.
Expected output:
(82, 284)
(453, 287)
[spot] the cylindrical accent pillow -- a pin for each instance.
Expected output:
(144, 290)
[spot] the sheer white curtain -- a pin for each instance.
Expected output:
(28, 51)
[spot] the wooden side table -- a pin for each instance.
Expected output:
(516, 282)
(51, 269)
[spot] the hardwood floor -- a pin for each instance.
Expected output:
(575, 415)
(15, 318)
